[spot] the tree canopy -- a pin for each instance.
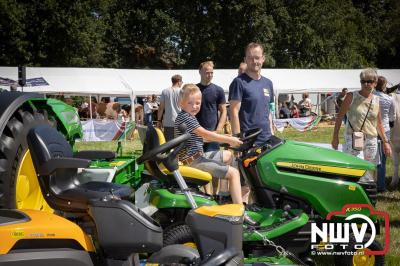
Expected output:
(181, 34)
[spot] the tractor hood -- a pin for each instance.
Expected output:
(310, 158)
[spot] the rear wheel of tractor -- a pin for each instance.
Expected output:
(19, 186)
(360, 259)
(179, 234)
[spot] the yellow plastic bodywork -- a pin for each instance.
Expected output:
(185, 170)
(323, 168)
(192, 173)
(226, 210)
(28, 192)
(42, 225)
(160, 134)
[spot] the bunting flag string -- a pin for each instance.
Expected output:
(300, 124)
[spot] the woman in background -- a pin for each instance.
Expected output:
(363, 114)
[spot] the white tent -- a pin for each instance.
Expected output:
(144, 82)
(75, 81)
(321, 80)
(136, 82)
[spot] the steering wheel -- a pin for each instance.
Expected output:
(164, 148)
(251, 135)
(248, 138)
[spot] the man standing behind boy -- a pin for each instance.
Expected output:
(213, 101)
(250, 95)
(169, 108)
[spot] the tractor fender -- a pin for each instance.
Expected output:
(10, 102)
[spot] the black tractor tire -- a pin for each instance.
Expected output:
(347, 260)
(177, 234)
(13, 146)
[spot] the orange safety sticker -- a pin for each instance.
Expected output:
(248, 161)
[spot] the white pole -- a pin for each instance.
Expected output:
(90, 106)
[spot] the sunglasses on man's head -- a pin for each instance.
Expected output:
(367, 81)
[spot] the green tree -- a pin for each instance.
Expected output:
(13, 45)
(64, 33)
(176, 34)
(316, 34)
(141, 34)
(220, 30)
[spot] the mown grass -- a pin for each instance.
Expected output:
(388, 201)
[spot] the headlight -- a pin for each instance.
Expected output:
(367, 177)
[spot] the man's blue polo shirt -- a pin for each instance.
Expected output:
(255, 97)
(211, 97)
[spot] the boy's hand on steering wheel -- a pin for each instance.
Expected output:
(235, 142)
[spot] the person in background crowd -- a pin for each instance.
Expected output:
(148, 111)
(242, 68)
(363, 114)
(305, 105)
(294, 111)
(155, 107)
(395, 138)
(386, 107)
(339, 100)
(169, 108)
(284, 111)
(124, 114)
(212, 114)
(139, 114)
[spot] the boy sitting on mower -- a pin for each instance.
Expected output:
(214, 162)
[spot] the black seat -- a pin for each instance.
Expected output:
(58, 173)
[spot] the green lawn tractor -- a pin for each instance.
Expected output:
(294, 185)
(169, 197)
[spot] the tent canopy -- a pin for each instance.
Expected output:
(131, 82)
(76, 81)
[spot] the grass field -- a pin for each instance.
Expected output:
(388, 201)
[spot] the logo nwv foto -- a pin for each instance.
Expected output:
(339, 233)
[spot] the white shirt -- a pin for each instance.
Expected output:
(386, 107)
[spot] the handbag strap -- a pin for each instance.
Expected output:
(365, 118)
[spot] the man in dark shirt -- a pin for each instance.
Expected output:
(250, 95)
(212, 115)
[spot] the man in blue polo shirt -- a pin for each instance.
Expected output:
(212, 114)
(250, 95)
